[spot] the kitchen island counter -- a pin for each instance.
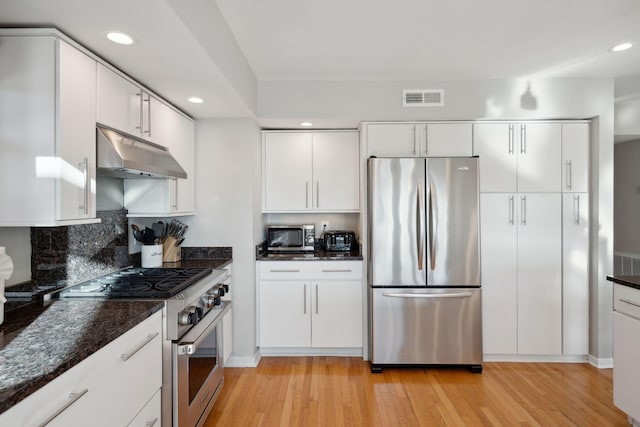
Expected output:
(40, 341)
(631, 281)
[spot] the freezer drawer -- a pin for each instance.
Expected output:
(439, 326)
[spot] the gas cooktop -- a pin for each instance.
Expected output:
(152, 283)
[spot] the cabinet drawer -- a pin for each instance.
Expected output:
(626, 300)
(310, 270)
(150, 415)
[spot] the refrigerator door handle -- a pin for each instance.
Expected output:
(427, 296)
(432, 246)
(419, 225)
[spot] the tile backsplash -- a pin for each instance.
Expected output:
(79, 252)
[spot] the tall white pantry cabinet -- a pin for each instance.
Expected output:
(534, 228)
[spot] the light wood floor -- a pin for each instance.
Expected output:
(331, 391)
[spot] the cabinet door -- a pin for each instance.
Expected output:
(120, 102)
(285, 314)
(539, 157)
(287, 171)
(575, 157)
(77, 123)
(336, 174)
(337, 314)
(575, 273)
(447, 140)
(499, 272)
(227, 335)
(394, 139)
(151, 414)
(539, 274)
(495, 144)
(626, 353)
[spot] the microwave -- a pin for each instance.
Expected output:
(291, 238)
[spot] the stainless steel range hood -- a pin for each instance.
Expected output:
(125, 156)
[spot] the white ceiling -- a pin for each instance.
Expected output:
(343, 40)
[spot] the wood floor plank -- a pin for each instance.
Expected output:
(333, 391)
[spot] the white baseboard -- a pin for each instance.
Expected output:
(534, 358)
(601, 363)
(243, 361)
(292, 352)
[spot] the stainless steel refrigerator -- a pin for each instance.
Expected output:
(424, 262)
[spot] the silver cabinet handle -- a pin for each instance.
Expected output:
(511, 210)
(317, 194)
(523, 139)
(432, 228)
(576, 209)
(347, 270)
(284, 271)
(510, 139)
(148, 131)
(306, 194)
(419, 228)
(415, 138)
(629, 302)
(129, 355)
(151, 423)
(317, 301)
(427, 296)
(305, 299)
(73, 398)
(569, 184)
(523, 208)
(426, 141)
(85, 198)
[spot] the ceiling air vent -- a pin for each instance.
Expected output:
(423, 97)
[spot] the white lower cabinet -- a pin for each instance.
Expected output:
(149, 416)
(310, 304)
(626, 349)
(126, 373)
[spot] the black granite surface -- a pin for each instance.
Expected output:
(40, 341)
(631, 281)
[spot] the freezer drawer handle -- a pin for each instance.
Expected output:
(429, 296)
(629, 302)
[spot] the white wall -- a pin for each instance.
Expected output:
(627, 197)
(627, 111)
(345, 104)
(17, 240)
(228, 213)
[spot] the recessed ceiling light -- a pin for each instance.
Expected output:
(306, 124)
(119, 37)
(620, 47)
(195, 100)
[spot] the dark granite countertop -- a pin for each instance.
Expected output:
(631, 281)
(318, 255)
(215, 263)
(40, 341)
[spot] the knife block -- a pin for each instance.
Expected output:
(171, 252)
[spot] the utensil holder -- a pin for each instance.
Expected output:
(152, 256)
(171, 253)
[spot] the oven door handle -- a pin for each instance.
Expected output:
(190, 344)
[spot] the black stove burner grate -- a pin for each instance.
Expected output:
(139, 283)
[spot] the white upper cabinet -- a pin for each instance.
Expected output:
(310, 171)
(47, 129)
(119, 102)
(522, 157)
(575, 157)
(419, 139)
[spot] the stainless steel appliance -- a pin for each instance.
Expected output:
(291, 238)
(339, 241)
(424, 263)
(193, 371)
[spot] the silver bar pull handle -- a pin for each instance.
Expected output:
(523, 209)
(85, 197)
(129, 355)
(151, 423)
(305, 299)
(576, 209)
(415, 139)
(569, 184)
(429, 296)
(141, 127)
(306, 194)
(317, 300)
(629, 302)
(317, 194)
(73, 398)
(175, 193)
(148, 131)
(511, 210)
(432, 227)
(346, 270)
(510, 139)
(419, 225)
(284, 271)
(426, 141)
(523, 139)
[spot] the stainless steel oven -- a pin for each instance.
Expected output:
(198, 369)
